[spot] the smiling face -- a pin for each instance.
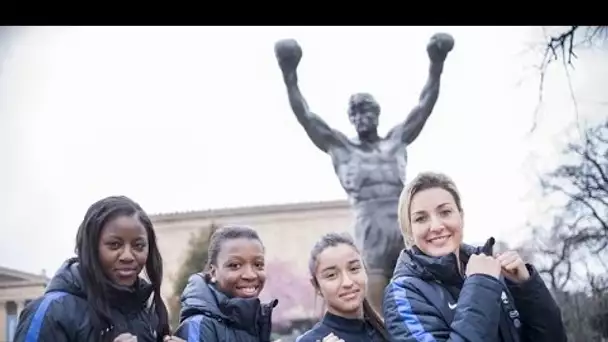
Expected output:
(239, 270)
(436, 222)
(123, 249)
(341, 279)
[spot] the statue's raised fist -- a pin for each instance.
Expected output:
(288, 53)
(439, 46)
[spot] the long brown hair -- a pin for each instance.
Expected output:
(334, 239)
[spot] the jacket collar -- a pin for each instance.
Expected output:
(202, 297)
(445, 269)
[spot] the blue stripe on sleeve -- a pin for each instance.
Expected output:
(194, 328)
(410, 319)
(33, 333)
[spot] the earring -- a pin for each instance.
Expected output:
(213, 280)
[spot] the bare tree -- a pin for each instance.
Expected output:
(580, 226)
(295, 294)
(195, 261)
(562, 47)
(572, 253)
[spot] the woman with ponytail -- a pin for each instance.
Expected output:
(99, 295)
(339, 277)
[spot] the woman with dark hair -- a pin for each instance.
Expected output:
(222, 303)
(338, 275)
(99, 295)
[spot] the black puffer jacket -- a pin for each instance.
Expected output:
(346, 329)
(428, 300)
(209, 315)
(62, 314)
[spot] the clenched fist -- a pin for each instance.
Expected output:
(483, 264)
(439, 46)
(513, 267)
(288, 53)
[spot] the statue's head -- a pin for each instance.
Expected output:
(363, 113)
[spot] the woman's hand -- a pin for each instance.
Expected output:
(483, 264)
(513, 267)
(332, 338)
(126, 337)
(172, 339)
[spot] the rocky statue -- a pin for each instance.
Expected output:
(370, 168)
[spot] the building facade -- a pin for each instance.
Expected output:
(16, 290)
(288, 232)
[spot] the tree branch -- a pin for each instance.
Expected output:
(579, 231)
(563, 47)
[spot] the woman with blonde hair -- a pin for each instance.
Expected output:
(444, 290)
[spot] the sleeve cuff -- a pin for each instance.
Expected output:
(526, 285)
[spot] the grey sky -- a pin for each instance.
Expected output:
(189, 118)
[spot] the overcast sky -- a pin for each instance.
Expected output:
(189, 118)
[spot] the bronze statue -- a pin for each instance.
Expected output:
(370, 168)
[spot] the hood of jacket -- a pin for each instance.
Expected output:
(200, 297)
(414, 263)
(69, 279)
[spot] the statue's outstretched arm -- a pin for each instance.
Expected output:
(288, 53)
(408, 131)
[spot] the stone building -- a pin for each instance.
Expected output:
(287, 230)
(16, 290)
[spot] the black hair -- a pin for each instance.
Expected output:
(333, 240)
(222, 234)
(97, 284)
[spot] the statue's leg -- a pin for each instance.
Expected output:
(380, 258)
(376, 283)
(371, 242)
(378, 236)
(380, 275)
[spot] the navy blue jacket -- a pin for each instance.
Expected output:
(62, 314)
(429, 301)
(209, 315)
(350, 330)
